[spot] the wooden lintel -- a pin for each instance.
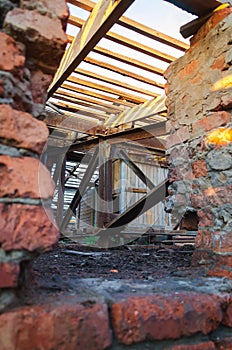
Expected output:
(101, 19)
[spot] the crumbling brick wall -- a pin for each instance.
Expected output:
(32, 42)
(199, 100)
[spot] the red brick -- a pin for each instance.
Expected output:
(26, 227)
(206, 218)
(211, 121)
(199, 168)
(204, 239)
(165, 316)
(24, 177)
(43, 37)
(180, 136)
(9, 273)
(64, 326)
(224, 344)
(21, 130)
(200, 346)
(227, 318)
(188, 69)
(11, 58)
(49, 7)
(219, 63)
(218, 195)
(210, 24)
(39, 85)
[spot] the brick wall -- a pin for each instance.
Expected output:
(32, 42)
(199, 90)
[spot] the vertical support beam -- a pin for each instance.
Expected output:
(61, 189)
(81, 190)
(105, 185)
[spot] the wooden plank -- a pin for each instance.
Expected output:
(117, 101)
(80, 111)
(83, 4)
(152, 33)
(123, 95)
(132, 44)
(69, 97)
(196, 7)
(115, 82)
(70, 122)
(131, 61)
(103, 16)
(123, 72)
(132, 25)
(145, 110)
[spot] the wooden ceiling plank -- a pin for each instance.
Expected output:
(99, 96)
(90, 101)
(101, 19)
(115, 82)
(122, 71)
(123, 95)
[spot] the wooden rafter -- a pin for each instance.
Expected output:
(123, 72)
(71, 107)
(117, 101)
(115, 82)
(124, 95)
(80, 104)
(87, 101)
(132, 25)
(131, 61)
(103, 16)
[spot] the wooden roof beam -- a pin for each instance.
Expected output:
(123, 72)
(78, 103)
(115, 82)
(133, 25)
(118, 102)
(119, 39)
(70, 107)
(88, 101)
(83, 4)
(125, 59)
(152, 33)
(128, 60)
(101, 19)
(122, 94)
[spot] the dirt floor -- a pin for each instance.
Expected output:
(58, 271)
